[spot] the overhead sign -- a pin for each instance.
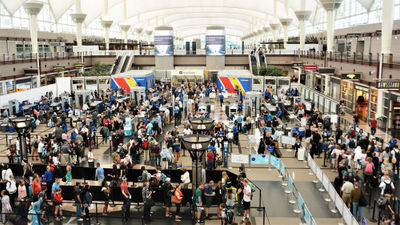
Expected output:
(30, 71)
(351, 76)
(58, 67)
(326, 70)
(352, 35)
(298, 64)
(79, 65)
(310, 67)
(388, 84)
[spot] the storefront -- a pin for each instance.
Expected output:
(334, 87)
(361, 101)
(348, 95)
(323, 103)
(394, 115)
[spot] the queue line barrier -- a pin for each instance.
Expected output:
(294, 196)
(331, 196)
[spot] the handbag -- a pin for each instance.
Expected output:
(362, 201)
(175, 200)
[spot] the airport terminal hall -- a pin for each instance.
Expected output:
(199, 112)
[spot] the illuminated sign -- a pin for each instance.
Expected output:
(79, 65)
(310, 67)
(58, 67)
(351, 76)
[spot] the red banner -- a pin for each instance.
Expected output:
(310, 67)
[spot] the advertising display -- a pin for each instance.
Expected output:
(163, 41)
(215, 41)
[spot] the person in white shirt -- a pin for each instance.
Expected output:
(185, 178)
(166, 115)
(6, 173)
(11, 188)
(396, 155)
(90, 158)
(246, 199)
(386, 182)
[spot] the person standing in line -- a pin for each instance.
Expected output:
(239, 191)
(99, 176)
(355, 199)
(168, 192)
(198, 199)
(179, 196)
(148, 202)
(78, 201)
(5, 206)
(90, 158)
(209, 195)
(11, 188)
(246, 199)
(347, 188)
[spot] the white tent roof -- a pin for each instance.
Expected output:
(187, 17)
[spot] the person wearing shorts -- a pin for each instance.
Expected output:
(246, 199)
(209, 194)
(198, 198)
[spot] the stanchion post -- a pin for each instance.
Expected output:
(370, 195)
(97, 217)
(373, 214)
(259, 201)
(324, 159)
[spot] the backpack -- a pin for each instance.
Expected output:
(163, 178)
(35, 144)
(368, 168)
(388, 188)
(147, 176)
(229, 216)
(397, 155)
(381, 202)
(352, 144)
(350, 176)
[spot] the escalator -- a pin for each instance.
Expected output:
(116, 64)
(121, 64)
(126, 63)
(253, 64)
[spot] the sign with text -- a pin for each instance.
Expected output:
(58, 67)
(351, 76)
(388, 84)
(326, 70)
(236, 158)
(310, 67)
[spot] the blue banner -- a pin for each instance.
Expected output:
(275, 162)
(282, 169)
(290, 184)
(260, 159)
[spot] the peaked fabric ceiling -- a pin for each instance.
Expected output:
(239, 16)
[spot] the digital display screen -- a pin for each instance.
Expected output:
(164, 42)
(215, 42)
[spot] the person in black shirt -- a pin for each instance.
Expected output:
(168, 191)
(239, 191)
(78, 201)
(220, 196)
